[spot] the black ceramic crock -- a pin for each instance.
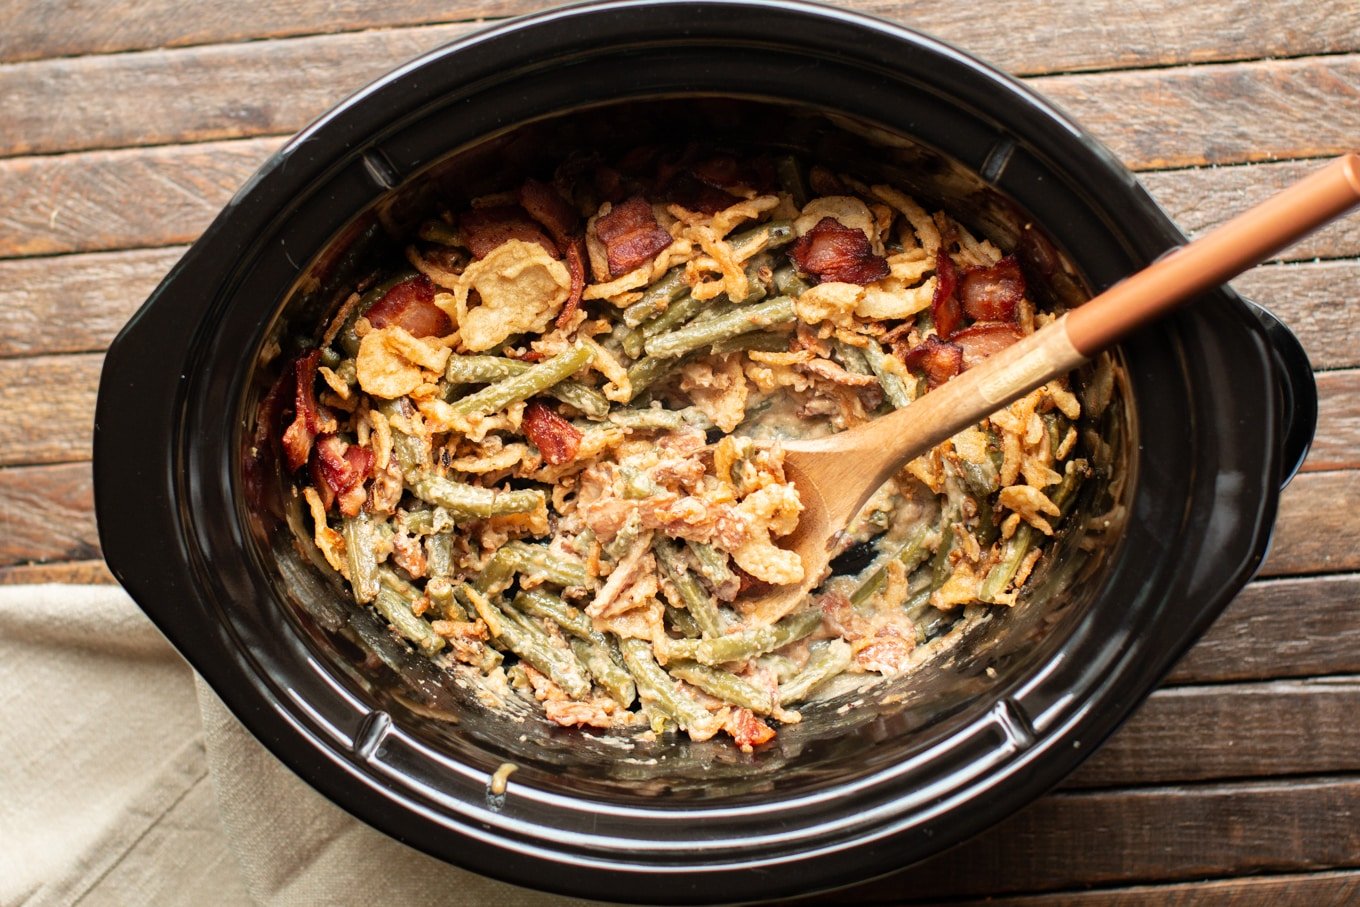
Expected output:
(1213, 409)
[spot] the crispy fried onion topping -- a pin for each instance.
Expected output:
(520, 288)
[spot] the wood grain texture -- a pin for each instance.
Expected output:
(34, 29)
(1256, 730)
(1230, 113)
(1337, 442)
(1294, 627)
(196, 94)
(75, 303)
(48, 514)
(71, 573)
(1198, 200)
(1100, 34)
(1316, 889)
(1316, 530)
(48, 403)
(1189, 116)
(1317, 300)
(142, 197)
(80, 202)
(1072, 840)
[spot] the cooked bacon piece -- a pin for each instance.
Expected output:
(631, 235)
(545, 205)
(342, 469)
(308, 419)
(991, 294)
(982, 340)
(410, 305)
(694, 194)
(576, 268)
(488, 228)
(939, 359)
(747, 730)
(835, 253)
(944, 305)
(555, 437)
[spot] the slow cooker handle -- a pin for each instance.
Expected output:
(1298, 391)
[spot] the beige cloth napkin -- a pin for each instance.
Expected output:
(122, 782)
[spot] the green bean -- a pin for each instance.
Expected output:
(411, 452)
(631, 341)
(680, 312)
(789, 172)
(649, 370)
(487, 369)
(745, 319)
(361, 556)
(472, 502)
(788, 283)
(436, 231)
(439, 554)
(388, 579)
(747, 643)
(910, 555)
(894, 388)
(852, 357)
(657, 297)
(654, 417)
(398, 613)
(761, 238)
(417, 522)
(722, 684)
(550, 607)
(536, 647)
(765, 341)
(713, 564)
(658, 688)
(496, 575)
(544, 566)
(683, 622)
(601, 664)
(440, 593)
(693, 596)
(826, 660)
(534, 380)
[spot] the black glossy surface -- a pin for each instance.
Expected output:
(833, 800)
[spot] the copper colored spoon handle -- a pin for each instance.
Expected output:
(1219, 255)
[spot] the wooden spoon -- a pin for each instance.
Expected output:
(836, 475)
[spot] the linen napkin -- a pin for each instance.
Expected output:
(125, 780)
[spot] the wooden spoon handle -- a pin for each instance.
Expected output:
(1223, 253)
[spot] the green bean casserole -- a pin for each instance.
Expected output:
(548, 449)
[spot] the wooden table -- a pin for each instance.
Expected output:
(124, 126)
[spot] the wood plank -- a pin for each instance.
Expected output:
(1316, 530)
(196, 94)
(34, 29)
(75, 303)
(48, 514)
(78, 202)
(1337, 442)
(1073, 840)
(1294, 890)
(1230, 113)
(48, 403)
(1237, 731)
(1099, 34)
(69, 573)
(1316, 299)
(1201, 199)
(1295, 627)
